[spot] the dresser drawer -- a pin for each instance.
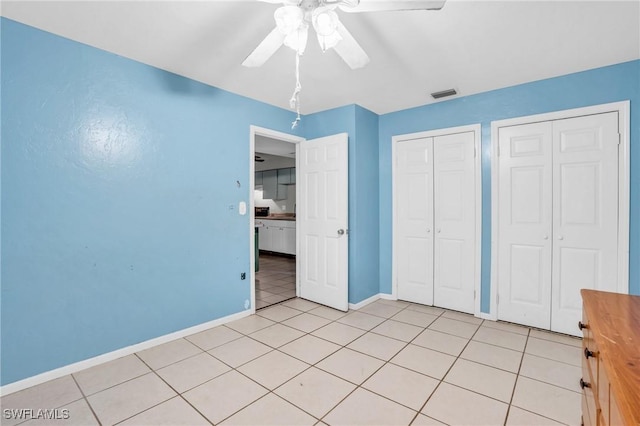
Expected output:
(615, 418)
(586, 413)
(589, 407)
(589, 347)
(603, 390)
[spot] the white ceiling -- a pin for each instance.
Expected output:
(472, 46)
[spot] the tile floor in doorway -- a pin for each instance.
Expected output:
(275, 280)
(299, 363)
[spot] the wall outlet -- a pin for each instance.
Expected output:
(284, 208)
(243, 275)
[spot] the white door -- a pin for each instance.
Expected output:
(414, 219)
(585, 213)
(558, 218)
(454, 219)
(524, 250)
(434, 231)
(322, 220)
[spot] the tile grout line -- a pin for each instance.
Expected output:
(86, 399)
(178, 394)
(385, 362)
(515, 383)
(448, 370)
(359, 386)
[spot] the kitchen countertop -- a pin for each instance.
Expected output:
(279, 217)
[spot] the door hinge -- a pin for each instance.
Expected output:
(474, 295)
(498, 149)
(619, 138)
(497, 299)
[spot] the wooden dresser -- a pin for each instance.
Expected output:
(611, 358)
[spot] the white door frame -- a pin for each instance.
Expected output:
(285, 137)
(622, 108)
(476, 129)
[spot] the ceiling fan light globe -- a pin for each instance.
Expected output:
(288, 19)
(330, 41)
(297, 39)
(325, 21)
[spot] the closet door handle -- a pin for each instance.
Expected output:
(546, 237)
(584, 384)
(560, 237)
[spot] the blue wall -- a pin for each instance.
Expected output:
(362, 127)
(603, 85)
(117, 180)
(116, 184)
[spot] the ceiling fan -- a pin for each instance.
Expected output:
(294, 18)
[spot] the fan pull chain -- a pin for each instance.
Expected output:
(295, 98)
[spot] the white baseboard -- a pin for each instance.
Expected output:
(365, 302)
(386, 296)
(118, 353)
(485, 316)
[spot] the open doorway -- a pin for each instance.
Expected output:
(274, 198)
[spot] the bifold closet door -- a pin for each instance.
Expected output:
(414, 219)
(585, 213)
(558, 218)
(435, 221)
(524, 249)
(454, 221)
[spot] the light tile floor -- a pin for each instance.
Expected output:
(275, 280)
(299, 363)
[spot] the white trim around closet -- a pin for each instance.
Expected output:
(623, 110)
(477, 131)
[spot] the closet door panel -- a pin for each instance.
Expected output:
(414, 219)
(585, 215)
(454, 221)
(524, 200)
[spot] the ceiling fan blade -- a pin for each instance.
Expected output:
(285, 2)
(390, 5)
(349, 49)
(265, 49)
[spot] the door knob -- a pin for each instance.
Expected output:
(561, 237)
(340, 231)
(546, 237)
(428, 230)
(439, 230)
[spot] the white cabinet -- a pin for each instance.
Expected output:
(289, 240)
(264, 235)
(278, 236)
(275, 183)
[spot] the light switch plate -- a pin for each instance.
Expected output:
(242, 208)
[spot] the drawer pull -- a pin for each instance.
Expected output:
(588, 353)
(582, 326)
(584, 384)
